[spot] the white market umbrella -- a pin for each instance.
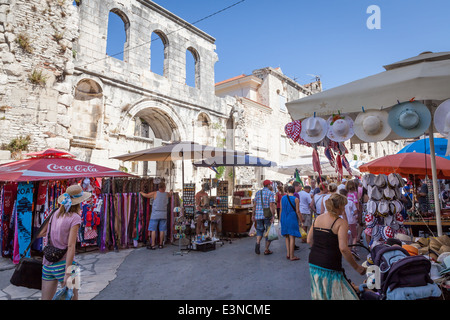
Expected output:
(305, 167)
(425, 77)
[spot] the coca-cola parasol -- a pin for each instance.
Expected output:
(54, 168)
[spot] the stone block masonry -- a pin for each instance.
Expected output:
(58, 84)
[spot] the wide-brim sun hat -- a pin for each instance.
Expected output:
(340, 128)
(314, 129)
(442, 121)
(409, 119)
(372, 125)
(76, 195)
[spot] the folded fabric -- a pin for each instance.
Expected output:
(414, 293)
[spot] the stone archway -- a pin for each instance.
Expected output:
(154, 119)
(164, 122)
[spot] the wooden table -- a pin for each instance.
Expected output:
(424, 225)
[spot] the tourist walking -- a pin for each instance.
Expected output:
(61, 231)
(328, 241)
(264, 208)
(291, 219)
(318, 197)
(332, 188)
(278, 197)
(158, 218)
(305, 208)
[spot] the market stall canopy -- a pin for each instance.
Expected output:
(235, 161)
(305, 167)
(54, 168)
(177, 151)
(418, 164)
(423, 146)
(424, 77)
(49, 153)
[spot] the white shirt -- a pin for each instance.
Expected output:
(305, 201)
(341, 186)
(350, 209)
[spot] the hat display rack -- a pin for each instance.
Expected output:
(408, 119)
(384, 219)
(317, 132)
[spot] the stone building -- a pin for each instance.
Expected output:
(259, 126)
(58, 85)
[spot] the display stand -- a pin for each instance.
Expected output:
(239, 221)
(180, 227)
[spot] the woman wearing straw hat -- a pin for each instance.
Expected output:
(63, 226)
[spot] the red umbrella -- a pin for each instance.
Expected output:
(49, 153)
(54, 168)
(418, 164)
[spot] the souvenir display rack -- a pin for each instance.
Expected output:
(222, 196)
(189, 200)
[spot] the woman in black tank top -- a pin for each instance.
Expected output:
(328, 241)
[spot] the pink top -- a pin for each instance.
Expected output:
(60, 231)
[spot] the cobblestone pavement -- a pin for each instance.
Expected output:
(97, 271)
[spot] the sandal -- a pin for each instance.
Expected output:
(267, 252)
(160, 246)
(151, 247)
(295, 258)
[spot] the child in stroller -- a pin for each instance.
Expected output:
(398, 275)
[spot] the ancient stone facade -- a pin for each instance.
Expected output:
(260, 118)
(97, 106)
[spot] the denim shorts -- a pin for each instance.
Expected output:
(262, 226)
(154, 223)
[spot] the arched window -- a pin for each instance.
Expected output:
(158, 53)
(192, 68)
(117, 37)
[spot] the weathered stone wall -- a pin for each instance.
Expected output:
(36, 36)
(89, 102)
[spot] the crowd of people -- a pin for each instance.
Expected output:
(332, 215)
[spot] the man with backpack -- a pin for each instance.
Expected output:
(264, 208)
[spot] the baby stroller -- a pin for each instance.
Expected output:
(401, 276)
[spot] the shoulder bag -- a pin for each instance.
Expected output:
(52, 253)
(289, 199)
(28, 272)
(267, 211)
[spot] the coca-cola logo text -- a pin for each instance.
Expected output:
(77, 168)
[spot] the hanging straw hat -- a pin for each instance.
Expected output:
(368, 180)
(383, 208)
(372, 125)
(442, 121)
(388, 193)
(374, 193)
(381, 180)
(73, 195)
(393, 180)
(340, 128)
(409, 119)
(314, 129)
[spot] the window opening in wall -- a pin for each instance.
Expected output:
(192, 68)
(282, 102)
(157, 53)
(117, 36)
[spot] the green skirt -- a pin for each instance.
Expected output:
(327, 284)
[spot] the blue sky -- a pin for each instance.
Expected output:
(329, 38)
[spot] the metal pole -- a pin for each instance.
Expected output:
(437, 203)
